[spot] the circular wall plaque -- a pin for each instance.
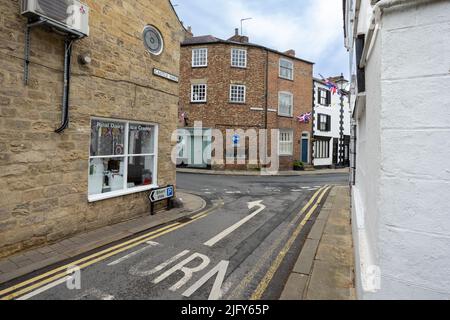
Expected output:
(153, 40)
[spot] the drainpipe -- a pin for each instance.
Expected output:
(65, 100)
(376, 18)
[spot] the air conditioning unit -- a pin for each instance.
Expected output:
(70, 15)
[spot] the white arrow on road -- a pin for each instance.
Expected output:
(226, 232)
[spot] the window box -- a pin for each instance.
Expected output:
(123, 158)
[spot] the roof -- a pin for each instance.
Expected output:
(209, 39)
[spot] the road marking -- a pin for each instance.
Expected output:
(296, 190)
(258, 293)
(233, 192)
(188, 272)
(229, 230)
(134, 253)
(216, 291)
(96, 293)
(134, 270)
(146, 237)
(44, 288)
(236, 294)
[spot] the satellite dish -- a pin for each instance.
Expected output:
(153, 40)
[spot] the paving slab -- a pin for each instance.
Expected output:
(295, 287)
(306, 258)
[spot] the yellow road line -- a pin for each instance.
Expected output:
(249, 277)
(258, 293)
(103, 255)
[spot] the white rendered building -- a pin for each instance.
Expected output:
(400, 100)
(329, 148)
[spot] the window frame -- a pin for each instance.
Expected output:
(126, 155)
(291, 133)
(245, 60)
(327, 122)
(194, 50)
(292, 69)
(192, 93)
(327, 97)
(322, 148)
(286, 93)
(244, 96)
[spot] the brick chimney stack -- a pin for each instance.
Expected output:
(188, 33)
(290, 52)
(238, 38)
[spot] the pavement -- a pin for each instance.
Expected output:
(263, 172)
(325, 267)
(29, 261)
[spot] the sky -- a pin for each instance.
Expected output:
(313, 28)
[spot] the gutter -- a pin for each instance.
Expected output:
(375, 21)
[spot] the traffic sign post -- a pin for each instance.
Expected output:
(160, 194)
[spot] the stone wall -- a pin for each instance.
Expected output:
(43, 175)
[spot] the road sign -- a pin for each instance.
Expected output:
(161, 194)
(236, 139)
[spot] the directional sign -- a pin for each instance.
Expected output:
(161, 194)
(236, 139)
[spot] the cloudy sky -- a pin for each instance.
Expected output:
(313, 28)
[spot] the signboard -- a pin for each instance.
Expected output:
(161, 194)
(236, 139)
(165, 75)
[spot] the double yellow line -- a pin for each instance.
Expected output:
(258, 293)
(32, 284)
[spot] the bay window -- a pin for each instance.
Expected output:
(122, 158)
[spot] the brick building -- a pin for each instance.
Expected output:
(234, 84)
(121, 117)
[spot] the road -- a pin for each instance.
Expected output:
(242, 247)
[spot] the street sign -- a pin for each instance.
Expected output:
(161, 194)
(236, 139)
(165, 75)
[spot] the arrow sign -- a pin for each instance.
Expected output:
(161, 194)
(226, 232)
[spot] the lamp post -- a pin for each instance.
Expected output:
(341, 82)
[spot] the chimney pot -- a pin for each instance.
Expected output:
(236, 31)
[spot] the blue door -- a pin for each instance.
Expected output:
(305, 150)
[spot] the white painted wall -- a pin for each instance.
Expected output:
(401, 213)
(334, 110)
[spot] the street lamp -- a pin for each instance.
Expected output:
(242, 33)
(341, 82)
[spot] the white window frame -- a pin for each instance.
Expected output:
(199, 50)
(126, 155)
(322, 149)
(290, 142)
(235, 63)
(192, 92)
(279, 68)
(285, 93)
(244, 96)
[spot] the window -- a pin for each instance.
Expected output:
(322, 149)
(286, 69)
(239, 58)
(324, 97)
(324, 123)
(122, 158)
(198, 93)
(285, 142)
(200, 57)
(237, 93)
(285, 104)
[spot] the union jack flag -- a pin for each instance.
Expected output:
(305, 118)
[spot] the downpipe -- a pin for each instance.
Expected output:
(66, 88)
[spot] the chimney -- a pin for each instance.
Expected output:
(188, 33)
(238, 38)
(290, 52)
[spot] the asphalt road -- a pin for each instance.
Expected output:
(242, 248)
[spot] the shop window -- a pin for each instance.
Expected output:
(322, 149)
(122, 158)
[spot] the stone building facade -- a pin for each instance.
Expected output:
(240, 85)
(52, 185)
